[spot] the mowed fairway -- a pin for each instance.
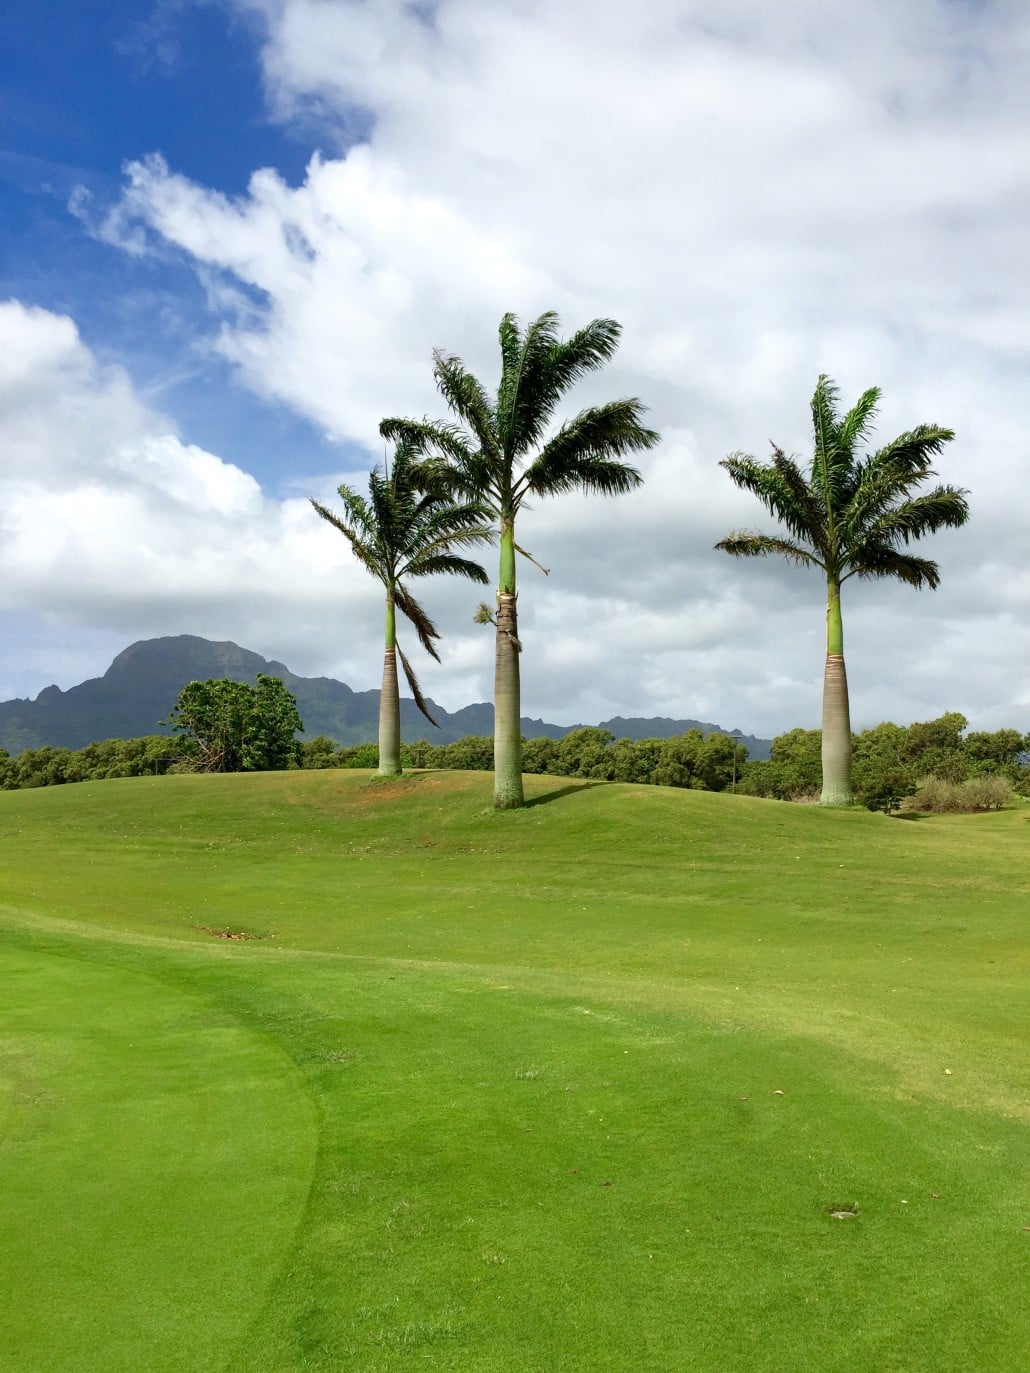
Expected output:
(571, 1088)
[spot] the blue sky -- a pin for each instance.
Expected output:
(234, 230)
(87, 88)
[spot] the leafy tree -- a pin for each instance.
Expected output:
(936, 748)
(499, 453)
(849, 516)
(474, 753)
(539, 755)
(271, 744)
(46, 767)
(798, 757)
(210, 718)
(882, 770)
(943, 735)
(720, 760)
(359, 756)
(407, 528)
(635, 760)
(1001, 751)
(319, 752)
(585, 752)
(229, 726)
(677, 763)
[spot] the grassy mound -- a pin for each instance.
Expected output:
(312, 1071)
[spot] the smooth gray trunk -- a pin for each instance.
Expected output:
(390, 718)
(508, 792)
(836, 742)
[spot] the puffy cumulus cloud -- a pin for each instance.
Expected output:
(760, 195)
(328, 290)
(111, 525)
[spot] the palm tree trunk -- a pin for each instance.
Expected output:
(508, 793)
(836, 742)
(390, 702)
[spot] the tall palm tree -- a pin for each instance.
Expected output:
(407, 528)
(849, 516)
(501, 454)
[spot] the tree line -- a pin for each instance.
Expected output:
(464, 480)
(933, 760)
(217, 726)
(893, 764)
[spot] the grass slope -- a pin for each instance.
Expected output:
(575, 1087)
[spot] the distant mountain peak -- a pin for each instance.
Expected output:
(143, 682)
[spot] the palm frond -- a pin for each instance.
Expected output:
(878, 490)
(356, 513)
(853, 513)
(584, 454)
(802, 513)
(859, 419)
(467, 398)
(880, 560)
(441, 522)
(945, 507)
(913, 451)
(586, 350)
(530, 559)
(435, 529)
(600, 475)
(432, 564)
(427, 437)
(364, 550)
(825, 420)
(462, 470)
(525, 401)
(538, 368)
(774, 489)
(513, 359)
(832, 460)
(745, 543)
(423, 625)
(415, 688)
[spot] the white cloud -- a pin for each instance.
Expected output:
(109, 521)
(759, 194)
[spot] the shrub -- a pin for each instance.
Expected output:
(358, 756)
(992, 791)
(939, 796)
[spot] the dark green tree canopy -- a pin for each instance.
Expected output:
(228, 726)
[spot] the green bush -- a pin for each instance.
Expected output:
(940, 796)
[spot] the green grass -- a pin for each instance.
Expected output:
(569, 1088)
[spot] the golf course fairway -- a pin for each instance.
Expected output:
(313, 1071)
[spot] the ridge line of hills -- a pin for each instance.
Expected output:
(144, 680)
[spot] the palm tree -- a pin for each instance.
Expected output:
(500, 453)
(849, 516)
(406, 528)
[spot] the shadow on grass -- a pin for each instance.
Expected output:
(560, 792)
(908, 815)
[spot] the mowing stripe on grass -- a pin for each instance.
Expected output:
(155, 1161)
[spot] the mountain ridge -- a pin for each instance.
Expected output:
(142, 683)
